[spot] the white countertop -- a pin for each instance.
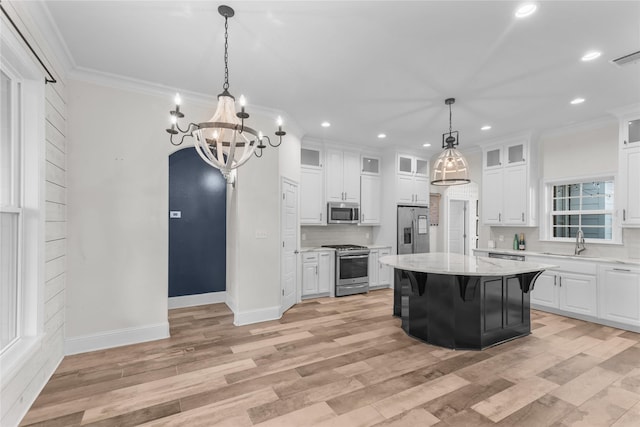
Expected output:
(462, 265)
(631, 261)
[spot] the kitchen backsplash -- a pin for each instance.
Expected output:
(335, 234)
(629, 249)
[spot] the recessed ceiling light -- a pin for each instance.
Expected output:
(325, 124)
(577, 101)
(590, 56)
(485, 127)
(426, 144)
(525, 10)
(382, 135)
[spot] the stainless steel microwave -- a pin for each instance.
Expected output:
(343, 213)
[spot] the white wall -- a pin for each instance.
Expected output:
(19, 388)
(569, 154)
(118, 226)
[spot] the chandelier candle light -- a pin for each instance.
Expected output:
(224, 142)
(450, 168)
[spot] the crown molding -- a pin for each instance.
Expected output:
(144, 87)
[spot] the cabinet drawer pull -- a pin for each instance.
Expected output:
(499, 217)
(555, 280)
(624, 214)
(522, 216)
(560, 281)
(622, 269)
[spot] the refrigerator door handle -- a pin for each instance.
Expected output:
(413, 237)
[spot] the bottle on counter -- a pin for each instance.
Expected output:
(521, 245)
(516, 242)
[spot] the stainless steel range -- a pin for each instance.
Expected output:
(352, 269)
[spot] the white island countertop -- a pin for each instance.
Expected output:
(461, 265)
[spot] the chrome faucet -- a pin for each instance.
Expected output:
(579, 242)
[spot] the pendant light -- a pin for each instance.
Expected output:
(224, 141)
(450, 168)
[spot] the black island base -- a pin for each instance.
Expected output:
(463, 312)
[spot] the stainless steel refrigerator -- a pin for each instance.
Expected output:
(413, 229)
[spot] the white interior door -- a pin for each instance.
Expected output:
(289, 234)
(457, 229)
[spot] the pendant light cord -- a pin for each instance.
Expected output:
(225, 86)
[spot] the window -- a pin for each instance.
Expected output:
(10, 209)
(22, 165)
(587, 205)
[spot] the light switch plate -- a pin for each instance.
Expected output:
(261, 234)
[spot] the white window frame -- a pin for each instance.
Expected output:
(20, 64)
(546, 229)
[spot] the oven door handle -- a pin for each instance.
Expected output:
(353, 256)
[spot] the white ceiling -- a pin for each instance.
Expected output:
(375, 66)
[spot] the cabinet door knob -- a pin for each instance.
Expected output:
(625, 142)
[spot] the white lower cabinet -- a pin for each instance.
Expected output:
(619, 293)
(566, 289)
(317, 273)
(379, 275)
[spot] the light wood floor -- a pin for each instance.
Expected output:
(346, 362)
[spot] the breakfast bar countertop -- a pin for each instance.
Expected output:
(461, 265)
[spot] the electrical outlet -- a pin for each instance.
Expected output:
(501, 238)
(366, 235)
(261, 234)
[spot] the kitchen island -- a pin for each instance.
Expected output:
(462, 302)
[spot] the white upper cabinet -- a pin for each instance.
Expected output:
(508, 184)
(343, 176)
(627, 189)
(412, 180)
(370, 199)
(311, 157)
(369, 165)
(312, 205)
(630, 131)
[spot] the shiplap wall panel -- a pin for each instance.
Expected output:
(54, 286)
(54, 136)
(21, 389)
(55, 230)
(54, 174)
(55, 193)
(55, 249)
(55, 211)
(54, 268)
(55, 118)
(55, 156)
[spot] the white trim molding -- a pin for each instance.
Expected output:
(116, 338)
(198, 299)
(255, 316)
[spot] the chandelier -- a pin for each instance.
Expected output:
(450, 168)
(224, 142)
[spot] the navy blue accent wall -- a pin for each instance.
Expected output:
(197, 240)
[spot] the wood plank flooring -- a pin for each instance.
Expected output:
(346, 362)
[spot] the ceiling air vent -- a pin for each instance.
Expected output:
(627, 59)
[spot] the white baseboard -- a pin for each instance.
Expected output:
(116, 338)
(231, 303)
(199, 299)
(241, 318)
